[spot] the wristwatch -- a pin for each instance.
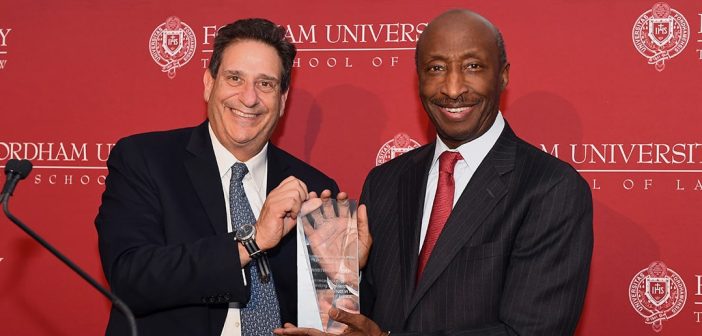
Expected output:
(246, 235)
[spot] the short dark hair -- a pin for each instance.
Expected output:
(501, 47)
(258, 30)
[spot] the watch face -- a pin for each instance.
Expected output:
(245, 232)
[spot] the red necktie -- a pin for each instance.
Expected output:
(440, 211)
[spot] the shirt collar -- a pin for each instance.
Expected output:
(473, 152)
(225, 160)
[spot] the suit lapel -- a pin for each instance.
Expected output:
(277, 168)
(204, 176)
(412, 188)
(485, 189)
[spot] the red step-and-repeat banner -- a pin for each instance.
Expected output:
(612, 87)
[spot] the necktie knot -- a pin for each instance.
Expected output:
(447, 161)
(239, 170)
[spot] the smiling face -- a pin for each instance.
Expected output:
(460, 76)
(244, 99)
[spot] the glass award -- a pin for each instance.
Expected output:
(328, 274)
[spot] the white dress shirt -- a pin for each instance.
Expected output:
(255, 189)
(473, 153)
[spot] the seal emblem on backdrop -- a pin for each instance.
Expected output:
(398, 145)
(660, 34)
(657, 293)
(172, 45)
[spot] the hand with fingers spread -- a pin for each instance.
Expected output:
(365, 241)
(331, 232)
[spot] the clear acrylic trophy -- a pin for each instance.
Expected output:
(328, 274)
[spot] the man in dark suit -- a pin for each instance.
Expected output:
(477, 233)
(166, 232)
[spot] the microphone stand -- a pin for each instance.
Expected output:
(115, 300)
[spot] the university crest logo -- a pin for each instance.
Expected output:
(657, 293)
(400, 144)
(660, 34)
(172, 45)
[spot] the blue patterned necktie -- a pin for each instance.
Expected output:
(261, 314)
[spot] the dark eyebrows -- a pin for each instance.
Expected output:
(476, 54)
(473, 54)
(231, 73)
(259, 77)
(269, 78)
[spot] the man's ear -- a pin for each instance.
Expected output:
(504, 77)
(208, 82)
(283, 99)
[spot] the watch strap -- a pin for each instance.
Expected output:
(251, 247)
(255, 253)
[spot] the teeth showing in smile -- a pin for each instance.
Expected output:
(242, 114)
(456, 109)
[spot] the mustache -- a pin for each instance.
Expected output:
(460, 101)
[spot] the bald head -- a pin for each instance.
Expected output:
(462, 70)
(454, 22)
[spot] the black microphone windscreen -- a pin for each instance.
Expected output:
(12, 166)
(24, 167)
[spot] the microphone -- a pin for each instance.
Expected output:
(17, 170)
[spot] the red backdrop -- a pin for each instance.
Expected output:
(75, 76)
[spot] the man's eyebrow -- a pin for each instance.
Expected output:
(241, 73)
(467, 54)
(231, 72)
(268, 77)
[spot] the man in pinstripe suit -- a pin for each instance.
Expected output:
(513, 256)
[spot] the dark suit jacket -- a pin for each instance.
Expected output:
(513, 258)
(162, 231)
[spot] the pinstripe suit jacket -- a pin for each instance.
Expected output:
(513, 258)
